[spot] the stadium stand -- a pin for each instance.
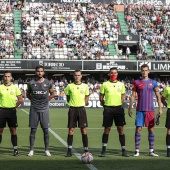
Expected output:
(6, 32)
(151, 22)
(75, 32)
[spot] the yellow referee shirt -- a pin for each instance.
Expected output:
(77, 94)
(8, 95)
(112, 92)
(166, 94)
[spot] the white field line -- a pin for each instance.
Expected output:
(90, 166)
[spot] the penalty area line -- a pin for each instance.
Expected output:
(78, 155)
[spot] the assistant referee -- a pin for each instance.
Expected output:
(165, 96)
(112, 97)
(8, 105)
(77, 97)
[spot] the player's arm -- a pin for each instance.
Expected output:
(28, 95)
(132, 99)
(101, 98)
(51, 91)
(67, 92)
(28, 91)
(68, 98)
(122, 98)
(164, 97)
(19, 101)
(157, 93)
(86, 96)
(163, 100)
(123, 94)
(86, 99)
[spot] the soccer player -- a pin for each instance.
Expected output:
(166, 95)
(112, 95)
(8, 105)
(40, 92)
(77, 97)
(145, 89)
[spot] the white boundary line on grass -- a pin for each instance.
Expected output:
(90, 166)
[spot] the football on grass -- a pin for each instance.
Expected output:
(87, 158)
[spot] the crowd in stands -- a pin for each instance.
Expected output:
(68, 31)
(6, 32)
(152, 23)
(77, 31)
(59, 85)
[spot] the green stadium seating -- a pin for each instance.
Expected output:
(17, 28)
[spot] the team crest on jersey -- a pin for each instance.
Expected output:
(82, 91)
(11, 92)
(150, 84)
(77, 87)
(119, 89)
(45, 85)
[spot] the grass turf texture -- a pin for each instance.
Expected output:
(113, 159)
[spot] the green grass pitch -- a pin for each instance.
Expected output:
(58, 161)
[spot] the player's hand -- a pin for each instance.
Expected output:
(157, 121)
(102, 103)
(130, 112)
(160, 112)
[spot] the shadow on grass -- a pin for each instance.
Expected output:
(113, 160)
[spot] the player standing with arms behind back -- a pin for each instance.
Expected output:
(8, 105)
(77, 97)
(145, 88)
(166, 95)
(38, 91)
(112, 95)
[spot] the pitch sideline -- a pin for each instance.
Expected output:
(90, 166)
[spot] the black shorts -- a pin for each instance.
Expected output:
(167, 124)
(77, 114)
(9, 116)
(115, 113)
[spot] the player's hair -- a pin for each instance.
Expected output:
(8, 72)
(77, 70)
(113, 68)
(38, 67)
(144, 65)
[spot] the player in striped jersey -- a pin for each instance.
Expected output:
(145, 88)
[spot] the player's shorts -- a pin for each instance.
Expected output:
(8, 116)
(77, 114)
(167, 124)
(36, 116)
(146, 118)
(115, 113)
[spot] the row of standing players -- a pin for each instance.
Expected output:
(112, 93)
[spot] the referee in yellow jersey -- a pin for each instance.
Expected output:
(8, 105)
(77, 97)
(112, 95)
(166, 95)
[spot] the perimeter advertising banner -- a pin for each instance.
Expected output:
(84, 65)
(31, 64)
(106, 65)
(156, 66)
(91, 104)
